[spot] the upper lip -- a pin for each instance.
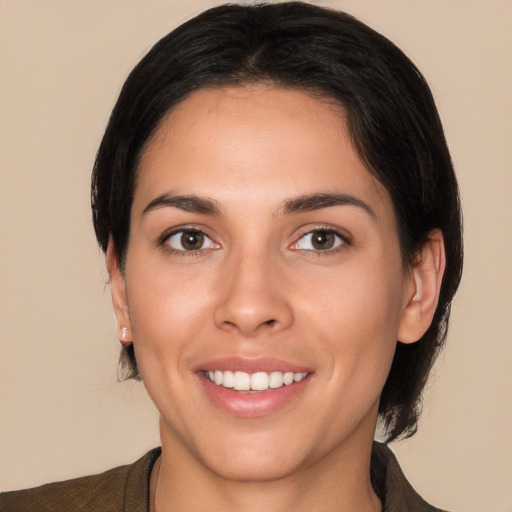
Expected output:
(250, 365)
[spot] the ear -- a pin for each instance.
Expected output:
(426, 276)
(119, 297)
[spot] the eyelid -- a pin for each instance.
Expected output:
(164, 238)
(345, 238)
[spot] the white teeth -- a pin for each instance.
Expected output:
(299, 376)
(288, 378)
(259, 381)
(242, 381)
(275, 380)
(228, 379)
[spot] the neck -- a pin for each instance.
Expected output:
(339, 481)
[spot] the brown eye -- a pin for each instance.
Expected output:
(319, 240)
(190, 240)
(322, 240)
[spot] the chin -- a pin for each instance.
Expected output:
(253, 469)
(251, 457)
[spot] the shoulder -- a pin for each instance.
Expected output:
(124, 488)
(391, 485)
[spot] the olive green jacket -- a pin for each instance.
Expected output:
(126, 489)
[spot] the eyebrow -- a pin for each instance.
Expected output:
(188, 203)
(311, 202)
(304, 203)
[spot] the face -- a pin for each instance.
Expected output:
(263, 287)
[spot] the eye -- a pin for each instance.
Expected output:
(319, 240)
(190, 240)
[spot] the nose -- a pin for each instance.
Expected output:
(253, 297)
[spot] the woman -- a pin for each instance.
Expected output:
(278, 208)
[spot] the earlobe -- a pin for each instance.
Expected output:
(119, 298)
(426, 276)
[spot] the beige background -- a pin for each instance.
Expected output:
(62, 64)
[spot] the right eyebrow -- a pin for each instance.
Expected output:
(188, 203)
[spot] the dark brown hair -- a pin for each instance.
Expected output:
(391, 115)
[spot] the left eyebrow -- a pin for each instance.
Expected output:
(311, 202)
(188, 203)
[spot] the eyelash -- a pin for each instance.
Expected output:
(343, 241)
(163, 241)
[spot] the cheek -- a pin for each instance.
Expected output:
(169, 313)
(354, 316)
(362, 295)
(168, 309)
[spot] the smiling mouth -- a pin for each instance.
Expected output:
(258, 381)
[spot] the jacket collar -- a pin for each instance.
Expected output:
(390, 484)
(388, 480)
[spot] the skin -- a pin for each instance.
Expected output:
(258, 287)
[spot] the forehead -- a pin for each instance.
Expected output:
(253, 141)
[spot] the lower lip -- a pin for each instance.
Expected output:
(252, 404)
